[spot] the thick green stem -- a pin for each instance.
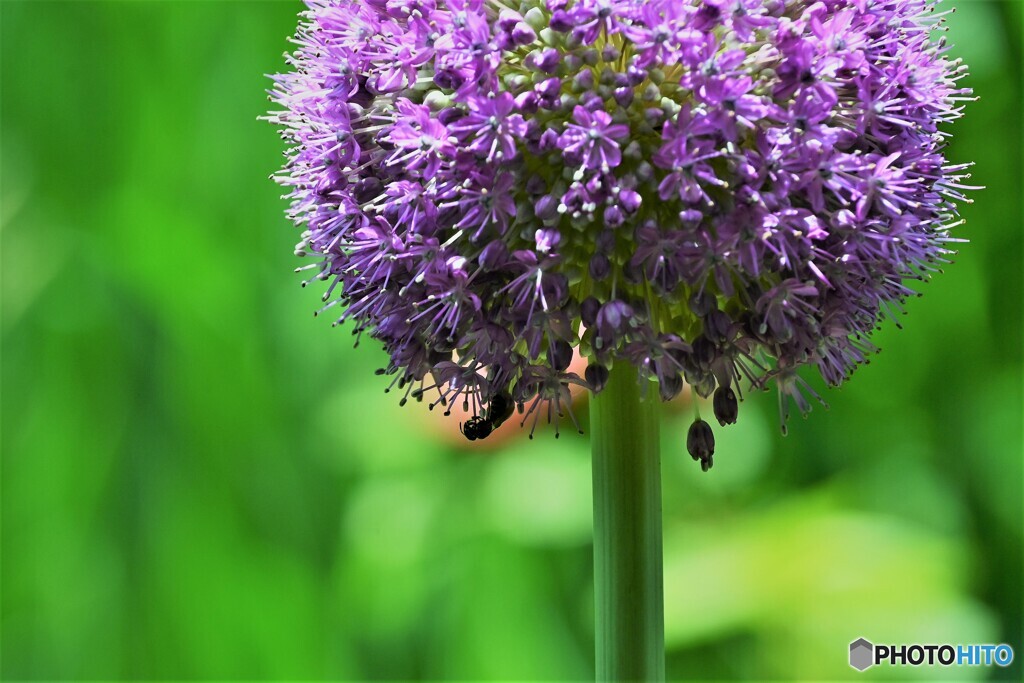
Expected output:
(629, 615)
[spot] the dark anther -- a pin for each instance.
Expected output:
(700, 442)
(726, 406)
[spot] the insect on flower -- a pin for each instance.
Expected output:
(477, 427)
(481, 426)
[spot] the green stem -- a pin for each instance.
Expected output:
(629, 614)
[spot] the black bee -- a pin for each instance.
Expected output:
(476, 427)
(500, 409)
(481, 426)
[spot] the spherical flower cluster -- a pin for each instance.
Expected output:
(709, 190)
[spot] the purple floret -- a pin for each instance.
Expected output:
(592, 140)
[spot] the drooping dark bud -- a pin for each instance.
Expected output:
(624, 96)
(583, 81)
(726, 406)
(549, 88)
(450, 115)
(560, 355)
(596, 376)
(704, 385)
(700, 442)
(544, 60)
(546, 208)
(703, 350)
(600, 267)
(494, 255)
(613, 318)
(633, 273)
(613, 216)
(630, 200)
(560, 21)
(523, 34)
(670, 386)
(636, 74)
(589, 310)
(536, 185)
(717, 325)
(508, 19)
(702, 303)
(605, 242)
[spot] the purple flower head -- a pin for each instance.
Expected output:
(710, 191)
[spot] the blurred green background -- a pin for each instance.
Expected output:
(202, 481)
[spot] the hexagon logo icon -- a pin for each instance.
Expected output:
(862, 654)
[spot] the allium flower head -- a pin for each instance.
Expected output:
(712, 191)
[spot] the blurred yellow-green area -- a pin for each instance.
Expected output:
(202, 481)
